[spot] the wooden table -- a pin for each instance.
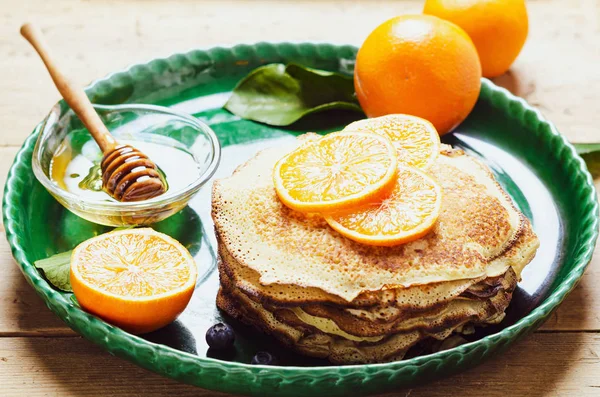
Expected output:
(558, 71)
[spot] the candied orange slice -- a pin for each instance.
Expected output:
(138, 279)
(416, 139)
(335, 172)
(408, 213)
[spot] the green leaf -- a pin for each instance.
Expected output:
(590, 152)
(56, 269)
(279, 95)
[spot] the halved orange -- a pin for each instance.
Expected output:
(416, 139)
(335, 172)
(407, 214)
(137, 279)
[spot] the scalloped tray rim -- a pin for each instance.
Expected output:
(53, 298)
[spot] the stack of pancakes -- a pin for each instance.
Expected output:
(292, 276)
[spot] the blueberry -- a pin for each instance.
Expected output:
(264, 358)
(220, 337)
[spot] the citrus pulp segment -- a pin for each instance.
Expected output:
(138, 279)
(337, 171)
(415, 139)
(406, 214)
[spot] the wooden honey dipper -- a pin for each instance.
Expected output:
(127, 173)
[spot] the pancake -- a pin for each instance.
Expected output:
(475, 237)
(432, 320)
(413, 298)
(292, 276)
(483, 299)
(421, 296)
(336, 350)
(322, 337)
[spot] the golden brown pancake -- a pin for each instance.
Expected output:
(421, 296)
(289, 326)
(290, 275)
(489, 296)
(412, 298)
(477, 225)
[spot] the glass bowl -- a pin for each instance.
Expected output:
(159, 127)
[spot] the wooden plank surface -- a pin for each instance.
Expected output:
(542, 365)
(558, 71)
(22, 311)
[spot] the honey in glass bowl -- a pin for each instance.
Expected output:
(67, 161)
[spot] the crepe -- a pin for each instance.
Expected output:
(386, 317)
(473, 238)
(291, 275)
(412, 298)
(323, 337)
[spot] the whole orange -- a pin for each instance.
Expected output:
(498, 28)
(419, 65)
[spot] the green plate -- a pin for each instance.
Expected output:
(534, 163)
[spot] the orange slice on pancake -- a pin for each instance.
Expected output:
(406, 214)
(416, 139)
(337, 171)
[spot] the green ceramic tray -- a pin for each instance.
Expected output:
(534, 163)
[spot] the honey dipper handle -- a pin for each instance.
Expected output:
(72, 94)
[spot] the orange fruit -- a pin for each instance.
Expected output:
(408, 213)
(416, 140)
(137, 279)
(498, 28)
(337, 171)
(419, 65)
